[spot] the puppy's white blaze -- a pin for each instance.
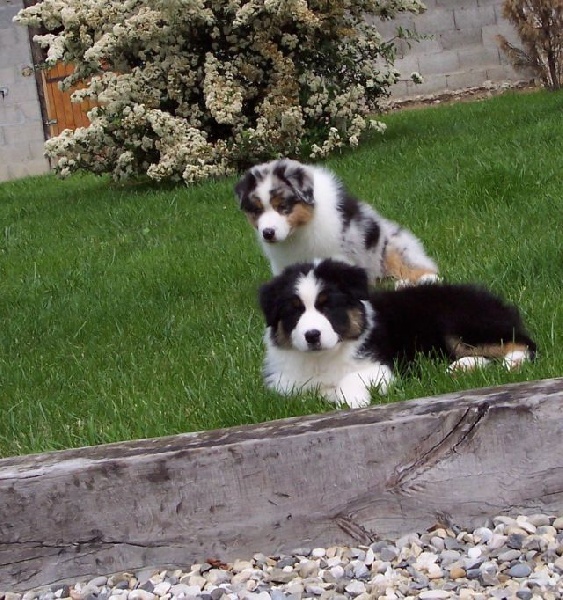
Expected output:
(263, 188)
(270, 218)
(308, 288)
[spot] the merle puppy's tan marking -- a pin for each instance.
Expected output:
(302, 212)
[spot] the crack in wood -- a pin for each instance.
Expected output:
(405, 475)
(358, 532)
(96, 543)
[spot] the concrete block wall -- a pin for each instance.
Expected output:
(21, 124)
(459, 49)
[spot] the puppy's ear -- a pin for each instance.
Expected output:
(244, 186)
(299, 178)
(268, 299)
(349, 279)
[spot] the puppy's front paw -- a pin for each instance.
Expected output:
(353, 398)
(515, 359)
(355, 388)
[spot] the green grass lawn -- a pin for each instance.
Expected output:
(131, 311)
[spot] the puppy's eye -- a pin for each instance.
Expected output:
(283, 208)
(296, 302)
(322, 300)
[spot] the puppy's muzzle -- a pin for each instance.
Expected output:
(313, 339)
(269, 234)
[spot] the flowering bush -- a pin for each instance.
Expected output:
(188, 89)
(540, 27)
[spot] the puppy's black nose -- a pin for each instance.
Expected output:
(313, 336)
(269, 234)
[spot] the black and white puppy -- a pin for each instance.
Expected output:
(327, 331)
(302, 213)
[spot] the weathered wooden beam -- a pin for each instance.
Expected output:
(337, 478)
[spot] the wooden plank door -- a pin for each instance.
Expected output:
(61, 112)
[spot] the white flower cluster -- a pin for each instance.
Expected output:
(190, 89)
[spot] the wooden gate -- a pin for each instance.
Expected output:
(61, 112)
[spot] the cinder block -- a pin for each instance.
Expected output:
(8, 38)
(21, 33)
(441, 62)
(10, 115)
(7, 76)
(28, 169)
(408, 65)
(456, 3)
(9, 57)
(460, 38)
(501, 73)
(503, 28)
(16, 153)
(427, 46)
(21, 90)
(19, 54)
(8, 12)
(435, 21)
(490, 3)
(471, 18)
(399, 90)
(432, 84)
(31, 111)
(387, 29)
(478, 57)
(466, 79)
(31, 132)
(402, 48)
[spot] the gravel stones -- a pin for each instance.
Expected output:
(509, 558)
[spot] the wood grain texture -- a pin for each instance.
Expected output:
(347, 477)
(62, 113)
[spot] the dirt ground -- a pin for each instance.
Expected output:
(462, 95)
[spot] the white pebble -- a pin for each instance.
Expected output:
(356, 587)
(217, 576)
(241, 565)
(181, 589)
(434, 595)
(141, 595)
(523, 522)
(425, 559)
(314, 588)
(162, 588)
(434, 572)
(337, 571)
(497, 541)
